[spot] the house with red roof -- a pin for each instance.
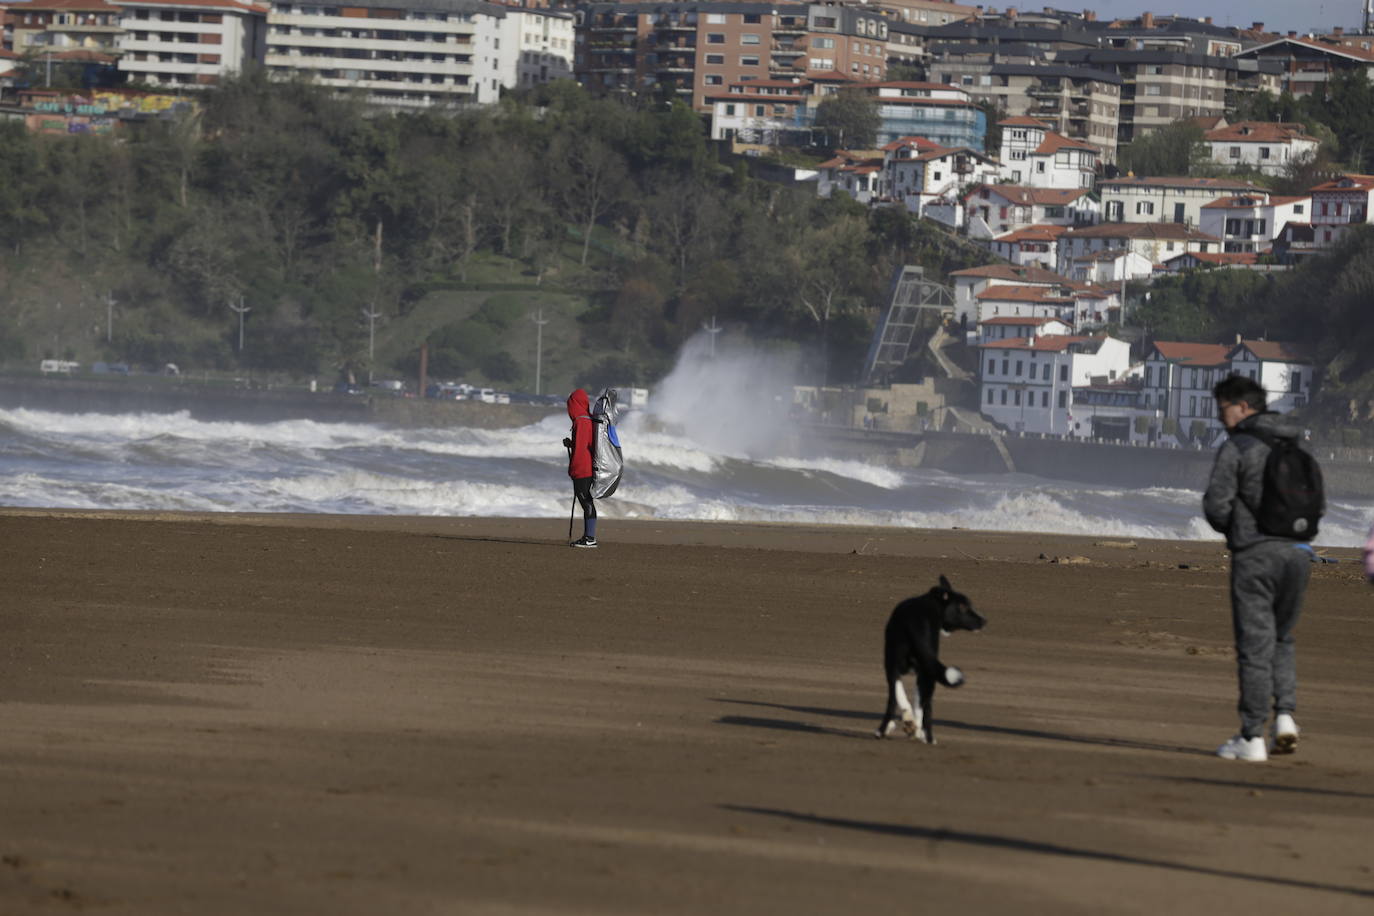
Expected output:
(1250, 222)
(1268, 147)
(1034, 155)
(1196, 260)
(1011, 327)
(1037, 245)
(1339, 204)
(996, 209)
(1028, 384)
(857, 173)
(918, 173)
(1154, 243)
(971, 281)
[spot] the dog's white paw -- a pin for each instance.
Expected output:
(954, 676)
(909, 726)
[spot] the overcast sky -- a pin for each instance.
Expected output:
(1277, 15)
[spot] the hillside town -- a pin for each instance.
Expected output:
(1003, 127)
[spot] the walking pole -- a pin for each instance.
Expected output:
(572, 510)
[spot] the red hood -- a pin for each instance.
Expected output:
(578, 405)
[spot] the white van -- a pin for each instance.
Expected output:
(60, 366)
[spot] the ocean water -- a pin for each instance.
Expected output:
(706, 450)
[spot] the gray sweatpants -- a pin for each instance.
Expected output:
(1267, 585)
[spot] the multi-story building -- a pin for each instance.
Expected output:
(942, 114)
(536, 46)
(1339, 204)
(1165, 199)
(918, 173)
(761, 114)
(1036, 156)
(189, 43)
(400, 53)
(1304, 64)
(1269, 148)
(1000, 208)
(1029, 245)
(1027, 384)
(1160, 87)
(971, 281)
(65, 25)
(1153, 242)
(1250, 222)
(696, 49)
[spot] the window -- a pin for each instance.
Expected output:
(1044, 397)
(1016, 398)
(1063, 398)
(715, 59)
(1295, 381)
(1264, 152)
(1149, 372)
(730, 110)
(713, 79)
(823, 43)
(758, 111)
(1004, 396)
(1144, 208)
(1046, 374)
(752, 18)
(1063, 375)
(1298, 209)
(715, 38)
(749, 38)
(1192, 405)
(749, 60)
(1018, 367)
(989, 395)
(1006, 367)
(992, 367)
(715, 19)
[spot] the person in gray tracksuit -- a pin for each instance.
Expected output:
(1268, 574)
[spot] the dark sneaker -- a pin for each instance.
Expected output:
(583, 541)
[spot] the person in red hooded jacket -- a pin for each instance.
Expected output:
(580, 467)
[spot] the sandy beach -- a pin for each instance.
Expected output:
(231, 714)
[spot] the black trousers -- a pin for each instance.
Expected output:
(582, 489)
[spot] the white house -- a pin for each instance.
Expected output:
(1027, 384)
(1030, 245)
(1154, 242)
(1004, 299)
(1011, 327)
(1339, 203)
(1268, 147)
(1195, 260)
(1250, 222)
(1282, 370)
(858, 174)
(1000, 208)
(918, 172)
(971, 281)
(189, 43)
(1109, 265)
(1164, 199)
(536, 46)
(1032, 154)
(757, 114)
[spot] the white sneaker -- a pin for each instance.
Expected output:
(1242, 748)
(1284, 735)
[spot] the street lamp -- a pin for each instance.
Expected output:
(242, 310)
(110, 301)
(539, 322)
(371, 316)
(713, 329)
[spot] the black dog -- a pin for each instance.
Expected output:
(911, 642)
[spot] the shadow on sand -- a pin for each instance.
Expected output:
(993, 841)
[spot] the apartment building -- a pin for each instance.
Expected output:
(1166, 199)
(1153, 242)
(1028, 384)
(697, 49)
(1339, 204)
(761, 114)
(65, 25)
(189, 43)
(398, 53)
(1036, 156)
(1303, 65)
(1160, 87)
(1250, 222)
(535, 46)
(1001, 208)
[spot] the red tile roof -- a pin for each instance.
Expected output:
(1049, 343)
(1272, 351)
(1169, 231)
(1024, 196)
(1033, 234)
(1018, 321)
(1023, 121)
(1356, 182)
(1192, 354)
(1027, 274)
(1054, 142)
(1258, 132)
(1219, 258)
(1005, 292)
(1220, 184)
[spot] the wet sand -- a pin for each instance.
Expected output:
(306, 714)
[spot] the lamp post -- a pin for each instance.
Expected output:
(713, 329)
(539, 322)
(242, 310)
(371, 315)
(110, 301)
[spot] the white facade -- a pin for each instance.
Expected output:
(997, 209)
(402, 54)
(1011, 328)
(1155, 243)
(1110, 266)
(542, 44)
(189, 43)
(917, 175)
(1165, 200)
(1252, 222)
(1269, 148)
(1031, 245)
(1339, 204)
(971, 281)
(1037, 157)
(1027, 384)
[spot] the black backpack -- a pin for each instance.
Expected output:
(1292, 500)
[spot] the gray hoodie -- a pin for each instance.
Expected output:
(1238, 480)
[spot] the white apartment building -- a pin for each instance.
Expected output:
(1249, 222)
(971, 281)
(1010, 327)
(399, 53)
(1030, 246)
(1269, 147)
(918, 172)
(189, 43)
(536, 46)
(1034, 155)
(1166, 200)
(1109, 265)
(1027, 384)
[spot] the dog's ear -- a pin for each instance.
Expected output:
(944, 584)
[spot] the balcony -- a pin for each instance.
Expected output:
(621, 24)
(676, 25)
(783, 49)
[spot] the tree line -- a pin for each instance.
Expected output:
(325, 220)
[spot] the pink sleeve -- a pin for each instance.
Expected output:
(1369, 557)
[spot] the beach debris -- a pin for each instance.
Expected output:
(1071, 560)
(1124, 545)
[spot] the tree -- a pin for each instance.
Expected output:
(590, 183)
(849, 119)
(1172, 150)
(831, 268)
